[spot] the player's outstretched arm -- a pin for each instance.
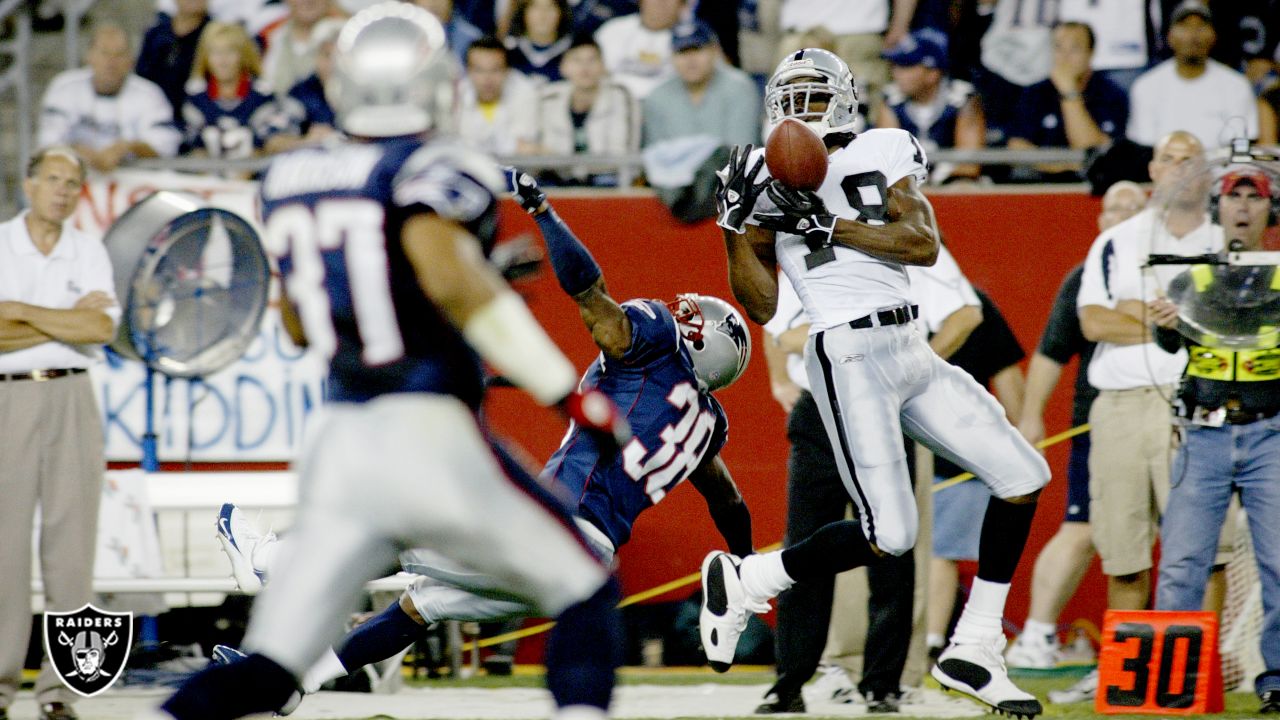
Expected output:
(753, 264)
(909, 235)
(576, 270)
(724, 502)
(453, 273)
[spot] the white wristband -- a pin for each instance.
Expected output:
(508, 337)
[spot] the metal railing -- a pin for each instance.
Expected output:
(627, 167)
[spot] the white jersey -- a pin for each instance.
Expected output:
(858, 177)
(1113, 272)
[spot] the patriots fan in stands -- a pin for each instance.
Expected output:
(845, 248)
(660, 361)
(226, 113)
(381, 244)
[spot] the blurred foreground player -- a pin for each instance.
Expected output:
(660, 361)
(845, 248)
(381, 245)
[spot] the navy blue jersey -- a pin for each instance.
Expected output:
(939, 130)
(675, 427)
(230, 129)
(333, 216)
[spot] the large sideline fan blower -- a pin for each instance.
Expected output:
(192, 281)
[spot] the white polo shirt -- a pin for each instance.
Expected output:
(789, 313)
(77, 266)
(1113, 272)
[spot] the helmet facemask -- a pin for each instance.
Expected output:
(807, 79)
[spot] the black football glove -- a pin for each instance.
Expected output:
(800, 212)
(595, 413)
(524, 190)
(737, 189)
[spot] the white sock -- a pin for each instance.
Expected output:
(1035, 628)
(327, 668)
(763, 576)
(983, 614)
(580, 712)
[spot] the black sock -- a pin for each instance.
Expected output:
(221, 692)
(1005, 529)
(584, 649)
(380, 638)
(833, 548)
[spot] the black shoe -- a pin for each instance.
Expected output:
(1270, 702)
(499, 665)
(57, 711)
(886, 703)
(781, 702)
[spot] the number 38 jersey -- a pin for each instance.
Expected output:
(675, 426)
(333, 217)
(854, 284)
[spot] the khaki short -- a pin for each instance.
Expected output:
(1131, 436)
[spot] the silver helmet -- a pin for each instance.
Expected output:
(812, 75)
(392, 73)
(716, 337)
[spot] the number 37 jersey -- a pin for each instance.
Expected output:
(854, 283)
(333, 216)
(675, 426)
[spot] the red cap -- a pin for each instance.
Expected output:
(1254, 176)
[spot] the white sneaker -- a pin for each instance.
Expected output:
(1085, 689)
(239, 540)
(834, 684)
(977, 670)
(724, 615)
(1032, 651)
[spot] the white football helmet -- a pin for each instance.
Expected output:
(392, 73)
(811, 75)
(716, 337)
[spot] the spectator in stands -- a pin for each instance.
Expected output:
(105, 112)
(863, 29)
(59, 306)
(497, 104)
(1129, 456)
(458, 31)
(1063, 560)
(291, 46)
(541, 32)
(1121, 51)
(707, 96)
(169, 50)
(587, 112)
(589, 15)
(1074, 108)
(940, 111)
(227, 113)
(308, 118)
(637, 48)
(1192, 92)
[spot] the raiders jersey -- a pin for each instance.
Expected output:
(333, 217)
(675, 427)
(854, 283)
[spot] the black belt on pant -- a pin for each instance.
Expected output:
(896, 316)
(41, 375)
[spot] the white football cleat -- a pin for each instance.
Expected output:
(1032, 651)
(977, 670)
(724, 614)
(1084, 690)
(239, 540)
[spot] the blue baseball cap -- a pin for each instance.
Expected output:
(692, 35)
(925, 46)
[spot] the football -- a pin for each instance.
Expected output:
(796, 156)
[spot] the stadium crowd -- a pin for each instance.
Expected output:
(679, 78)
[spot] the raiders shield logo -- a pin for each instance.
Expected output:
(88, 647)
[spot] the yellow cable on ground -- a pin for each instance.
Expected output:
(692, 578)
